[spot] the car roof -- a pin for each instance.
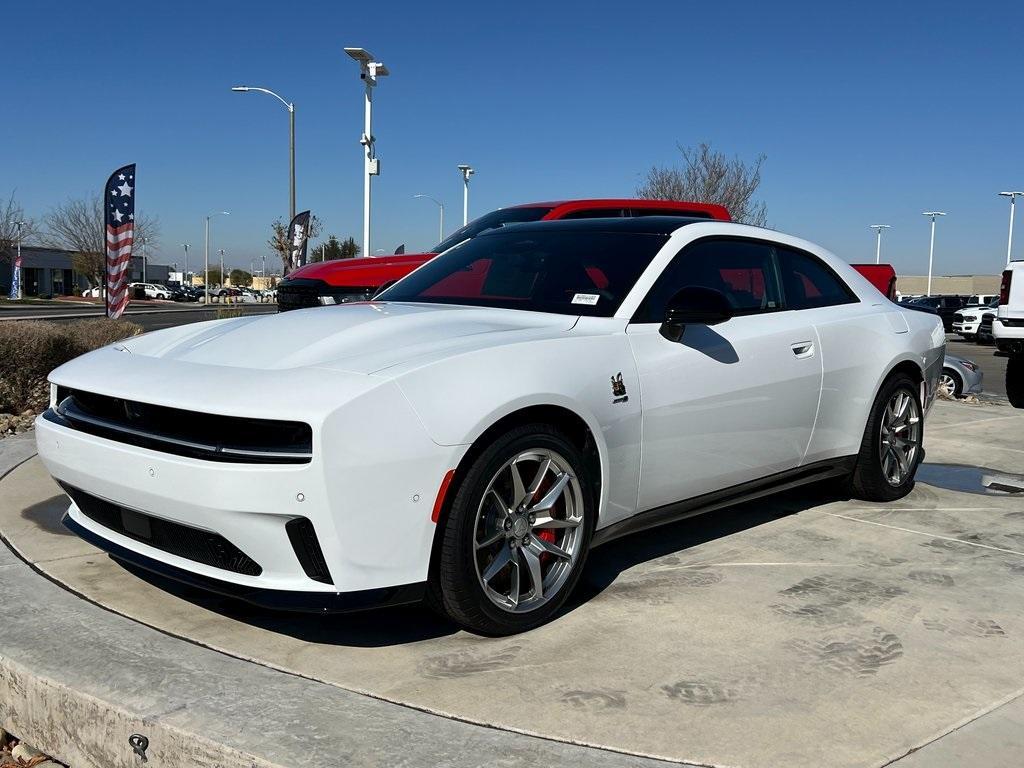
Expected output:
(650, 225)
(564, 207)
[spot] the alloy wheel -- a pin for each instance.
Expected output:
(900, 437)
(528, 535)
(947, 384)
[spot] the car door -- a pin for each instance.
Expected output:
(727, 403)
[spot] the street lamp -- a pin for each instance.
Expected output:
(221, 252)
(143, 259)
(878, 245)
(467, 171)
(184, 276)
(291, 140)
(369, 71)
(206, 256)
(17, 266)
(1013, 204)
(931, 248)
(440, 227)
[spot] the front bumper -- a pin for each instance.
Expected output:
(274, 599)
(966, 329)
(367, 495)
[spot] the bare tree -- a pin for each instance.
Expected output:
(77, 225)
(708, 176)
(280, 241)
(11, 215)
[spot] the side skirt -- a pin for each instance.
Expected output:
(737, 494)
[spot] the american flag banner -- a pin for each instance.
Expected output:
(119, 221)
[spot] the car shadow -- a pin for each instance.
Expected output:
(402, 625)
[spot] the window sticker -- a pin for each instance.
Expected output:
(590, 299)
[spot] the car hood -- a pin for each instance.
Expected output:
(332, 270)
(360, 338)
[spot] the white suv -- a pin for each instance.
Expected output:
(154, 290)
(1008, 325)
(967, 320)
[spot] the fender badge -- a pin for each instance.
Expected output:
(619, 389)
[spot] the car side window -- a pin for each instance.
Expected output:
(808, 282)
(740, 269)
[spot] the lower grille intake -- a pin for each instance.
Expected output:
(174, 538)
(307, 549)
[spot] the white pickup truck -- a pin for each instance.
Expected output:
(1008, 330)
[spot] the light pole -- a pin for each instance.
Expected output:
(221, 252)
(206, 256)
(467, 171)
(291, 141)
(931, 248)
(369, 71)
(1013, 204)
(143, 259)
(184, 276)
(21, 293)
(440, 227)
(878, 244)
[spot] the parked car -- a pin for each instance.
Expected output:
(93, 293)
(477, 428)
(945, 306)
(984, 335)
(967, 320)
(341, 281)
(960, 377)
(152, 290)
(980, 299)
(882, 276)
(1008, 330)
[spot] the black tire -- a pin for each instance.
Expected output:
(868, 481)
(1015, 380)
(455, 587)
(958, 382)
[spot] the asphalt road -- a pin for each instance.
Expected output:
(151, 318)
(993, 367)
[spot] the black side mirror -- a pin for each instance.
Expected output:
(694, 305)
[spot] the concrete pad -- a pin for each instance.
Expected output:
(800, 630)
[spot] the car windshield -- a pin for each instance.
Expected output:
(492, 220)
(569, 272)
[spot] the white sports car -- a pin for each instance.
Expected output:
(470, 434)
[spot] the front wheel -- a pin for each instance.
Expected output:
(950, 383)
(518, 533)
(891, 447)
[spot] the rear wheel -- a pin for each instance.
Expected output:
(518, 533)
(891, 447)
(1015, 380)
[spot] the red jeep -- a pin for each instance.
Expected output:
(343, 280)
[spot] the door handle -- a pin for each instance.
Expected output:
(803, 349)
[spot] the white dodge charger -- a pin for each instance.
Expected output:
(470, 434)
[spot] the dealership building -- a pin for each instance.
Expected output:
(49, 272)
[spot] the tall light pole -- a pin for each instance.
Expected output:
(369, 71)
(1013, 204)
(291, 141)
(221, 252)
(184, 276)
(440, 227)
(21, 293)
(878, 244)
(931, 248)
(467, 171)
(143, 259)
(206, 256)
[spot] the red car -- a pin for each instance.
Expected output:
(343, 280)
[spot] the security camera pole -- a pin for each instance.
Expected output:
(931, 248)
(1013, 204)
(369, 71)
(878, 245)
(467, 171)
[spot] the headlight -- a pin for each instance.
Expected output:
(970, 318)
(970, 366)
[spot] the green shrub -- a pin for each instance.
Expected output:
(30, 349)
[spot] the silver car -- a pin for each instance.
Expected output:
(960, 377)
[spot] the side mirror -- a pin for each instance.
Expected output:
(694, 305)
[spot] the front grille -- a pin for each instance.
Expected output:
(184, 433)
(303, 293)
(174, 538)
(307, 549)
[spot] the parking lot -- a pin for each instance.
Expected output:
(993, 366)
(802, 630)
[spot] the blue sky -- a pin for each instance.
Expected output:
(867, 112)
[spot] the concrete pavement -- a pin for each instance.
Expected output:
(801, 630)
